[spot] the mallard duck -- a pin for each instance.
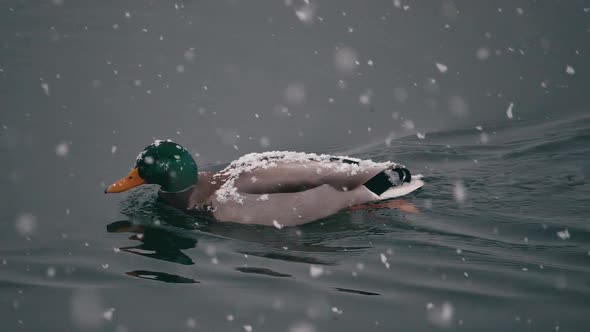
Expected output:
(271, 188)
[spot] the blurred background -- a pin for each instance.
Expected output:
(259, 75)
(85, 85)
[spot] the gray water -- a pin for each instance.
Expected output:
(501, 242)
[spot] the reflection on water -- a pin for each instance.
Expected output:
(155, 243)
(164, 233)
(161, 276)
(287, 257)
(262, 271)
(354, 291)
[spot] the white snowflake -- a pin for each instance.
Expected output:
(442, 67)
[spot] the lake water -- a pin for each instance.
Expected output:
(487, 100)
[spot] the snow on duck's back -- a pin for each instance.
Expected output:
(266, 160)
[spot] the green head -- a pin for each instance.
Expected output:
(164, 163)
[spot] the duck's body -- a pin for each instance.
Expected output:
(286, 188)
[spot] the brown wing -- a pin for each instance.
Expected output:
(301, 176)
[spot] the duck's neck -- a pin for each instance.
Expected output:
(196, 197)
(179, 199)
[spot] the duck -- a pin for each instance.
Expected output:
(275, 188)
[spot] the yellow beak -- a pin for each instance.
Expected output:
(131, 180)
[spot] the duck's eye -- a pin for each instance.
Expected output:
(129, 178)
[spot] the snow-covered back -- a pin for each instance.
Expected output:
(252, 161)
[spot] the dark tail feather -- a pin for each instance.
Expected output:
(388, 178)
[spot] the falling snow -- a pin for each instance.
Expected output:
(509, 111)
(26, 224)
(365, 98)
(564, 235)
(441, 316)
(51, 272)
(316, 271)
(306, 13)
(384, 260)
(264, 142)
(441, 67)
(409, 124)
(45, 88)
(62, 149)
(483, 53)
(277, 225)
(337, 310)
(459, 192)
(108, 314)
